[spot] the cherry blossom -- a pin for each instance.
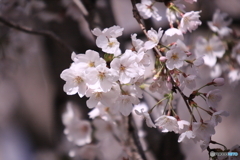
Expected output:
(172, 35)
(106, 98)
(75, 80)
(203, 131)
(216, 117)
(154, 38)
(126, 100)
(220, 23)
(212, 49)
(175, 57)
(167, 123)
(89, 60)
(108, 45)
(147, 10)
(146, 115)
(190, 21)
(190, 81)
(213, 98)
(102, 78)
(189, 134)
(234, 77)
(112, 32)
(125, 66)
(77, 131)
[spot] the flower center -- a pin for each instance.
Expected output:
(174, 56)
(98, 94)
(208, 48)
(122, 68)
(101, 75)
(78, 80)
(91, 64)
(111, 44)
(186, 20)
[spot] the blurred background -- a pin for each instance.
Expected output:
(31, 91)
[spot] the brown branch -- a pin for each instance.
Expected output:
(134, 131)
(35, 32)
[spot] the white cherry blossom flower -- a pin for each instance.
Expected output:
(75, 80)
(146, 115)
(167, 123)
(173, 15)
(108, 45)
(89, 60)
(154, 38)
(137, 43)
(102, 78)
(189, 134)
(216, 71)
(172, 35)
(212, 49)
(220, 23)
(77, 131)
(175, 57)
(147, 10)
(126, 66)
(190, 21)
(213, 98)
(112, 32)
(107, 113)
(203, 131)
(216, 117)
(182, 123)
(234, 77)
(106, 98)
(128, 97)
(190, 81)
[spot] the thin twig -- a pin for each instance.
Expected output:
(182, 94)
(35, 32)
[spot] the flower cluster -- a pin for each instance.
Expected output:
(114, 84)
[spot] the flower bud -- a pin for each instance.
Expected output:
(218, 81)
(163, 59)
(188, 53)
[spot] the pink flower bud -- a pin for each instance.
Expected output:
(218, 81)
(189, 53)
(163, 59)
